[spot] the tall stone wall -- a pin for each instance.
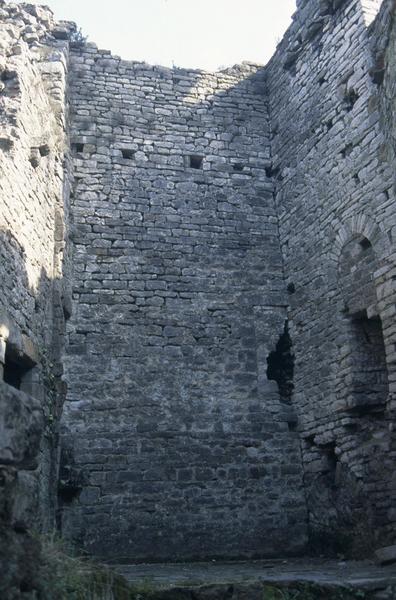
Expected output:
(32, 251)
(383, 48)
(336, 206)
(179, 446)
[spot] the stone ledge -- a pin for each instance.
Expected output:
(248, 580)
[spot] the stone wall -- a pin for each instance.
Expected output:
(179, 446)
(336, 209)
(233, 299)
(383, 48)
(33, 192)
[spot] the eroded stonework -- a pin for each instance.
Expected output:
(33, 274)
(221, 246)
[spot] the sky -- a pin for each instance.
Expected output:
(205, 34)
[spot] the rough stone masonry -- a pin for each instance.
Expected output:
(179, 300)
(202, 264)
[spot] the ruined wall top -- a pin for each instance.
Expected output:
(39, 25)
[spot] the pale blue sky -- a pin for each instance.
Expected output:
(189, 33)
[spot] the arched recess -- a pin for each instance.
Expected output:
(343, 493)
(360, 258)
(364, 226)
(363, 375)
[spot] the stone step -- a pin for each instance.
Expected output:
(305, 579)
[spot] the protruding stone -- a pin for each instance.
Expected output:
(386, 555)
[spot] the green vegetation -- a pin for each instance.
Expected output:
(66, 576)
(312, 592)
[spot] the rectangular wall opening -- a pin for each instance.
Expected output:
(78, 148)
(196, 161)
(16, 368)
(127, 153)
(369, 381)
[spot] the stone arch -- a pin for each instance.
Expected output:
(365, 226)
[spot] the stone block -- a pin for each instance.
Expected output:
(386, 555)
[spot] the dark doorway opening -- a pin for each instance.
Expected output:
(369, 387)
(16, 367)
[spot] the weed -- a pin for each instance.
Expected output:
(77, 39)
(311, 592)
(66, 576)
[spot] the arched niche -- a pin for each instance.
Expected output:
(363, 377)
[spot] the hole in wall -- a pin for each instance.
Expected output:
(60, 34)
(290, 62)
(330, 456)
(78, 148)
(20, 526)
(317, 46)
(313, 31)
(310, 440)
(67, 308)
(329, 463)
(280, 366)
(291, 288)
(229, 593)
(6, 144)
(44, 150)
(196, 161)
(25, 586)
(272, 171)
(127, 153)
(67, 493)
(350, 99)
(347, 150)
(71, 479)
(9, 82)
(238, 167)
(16, 368)
(327, 7)
(377, 72)
(351, 426)
(8, 76)
(34, 157)
(378, 76)
(365, 244)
